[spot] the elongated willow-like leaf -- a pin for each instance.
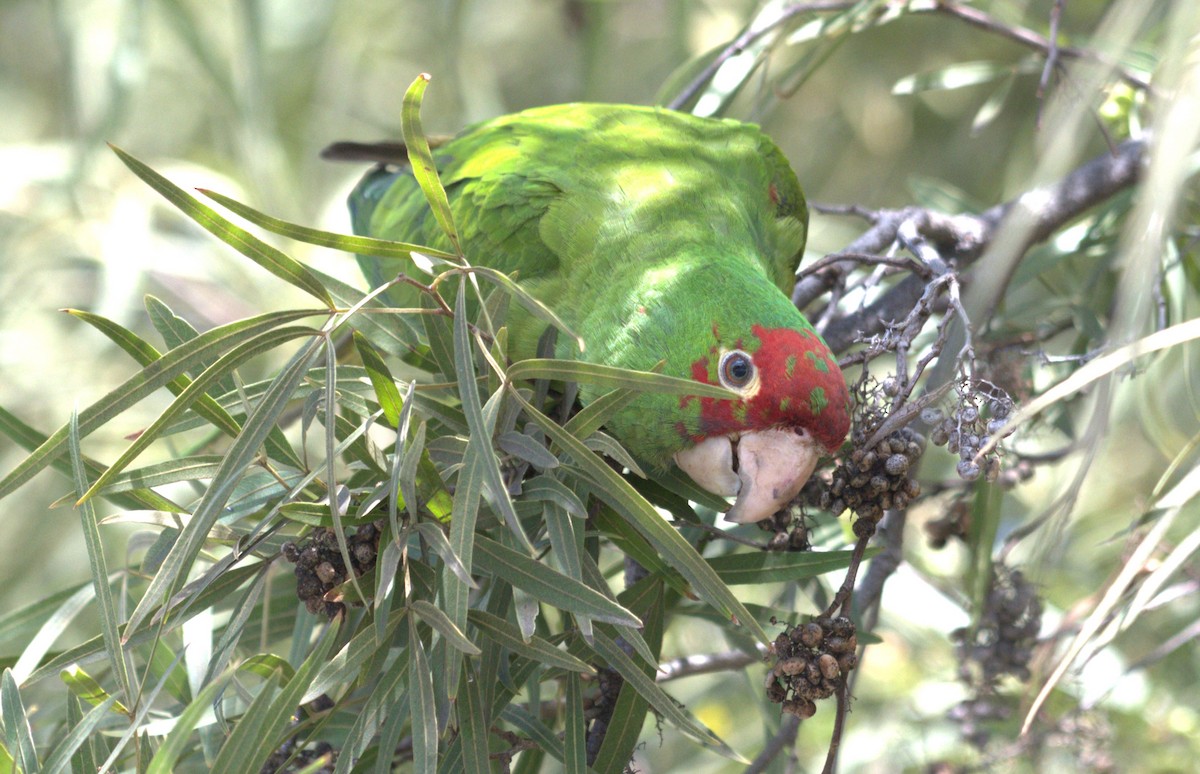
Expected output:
(178, 562)
(28, 438)
(109, 619)
(264, 724)
(93, 649)
(140, 385)
(508, 634)
(60, 759)
(548, 585)
(423, 704)
(420, 158)
(535, 307)
(180, 737)
(272, 259)
(769, 567)
(18, 733)
(195, 391)
(616, 491)
(481, 431)
(206, 406)
(614, 378)
(359, 245)
(433, 615)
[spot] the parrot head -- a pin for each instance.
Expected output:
(740, 332)
(762, 448)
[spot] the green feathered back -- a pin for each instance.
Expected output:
(649, 231)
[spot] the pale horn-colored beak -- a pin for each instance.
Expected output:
(771, 467)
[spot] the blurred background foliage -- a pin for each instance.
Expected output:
(241, 96)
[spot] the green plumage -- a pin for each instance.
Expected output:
(654, 234)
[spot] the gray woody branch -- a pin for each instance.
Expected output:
(964, 238)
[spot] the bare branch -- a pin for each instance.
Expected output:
(966, 237)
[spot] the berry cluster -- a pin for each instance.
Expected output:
(319, 565)
(872, 480)
(789, 525)
(287, 759)
(1000, 644)
(968, 429)
(812, 661)
(1003, 639)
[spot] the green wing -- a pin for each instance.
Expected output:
(580, 199)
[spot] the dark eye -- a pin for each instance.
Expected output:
(737, 370)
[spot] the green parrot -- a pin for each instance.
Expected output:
(657, 236)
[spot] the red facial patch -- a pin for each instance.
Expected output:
(800, 385)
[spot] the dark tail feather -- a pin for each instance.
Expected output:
(378, 152)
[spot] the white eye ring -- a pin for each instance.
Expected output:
(736, 370)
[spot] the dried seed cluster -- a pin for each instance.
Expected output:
(789, 525)
(1001, 644)
(1003, 640)
(282, 761)
(812, 661)
(872, 480)
(319, 565)
(967, 429)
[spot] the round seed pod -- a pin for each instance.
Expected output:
(828, 666)
(812, 635)
(801, 708)
(792, 666)
(968, 470)
(326, 572)
(896, 465)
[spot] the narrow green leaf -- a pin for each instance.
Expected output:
(473, 724)
(616, 491)
(481, 434)
(144, 354)
(535, 307)
(60, 759)
(30, 439)
(537, 649)
(462, 543)
(574, 736)
(247, 350)
(140, 385)
(175, 331)
(523, 447)
(87, 688)
(548, 585)
(381, 379)
(387, 699)
(109, 618)
(345, 665)
(18, 734)
(592, 416)
(360, 245)
(441, 546)
(534, 728)
(614, 378)
(629, 714)
(60, 619)
(270, 258)
(264, 724)
(779, 567)
(178, 563)
(423, 704)
(566, 543)
(441, 623)
(180, 737)
(421, 161)
(548, 489)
